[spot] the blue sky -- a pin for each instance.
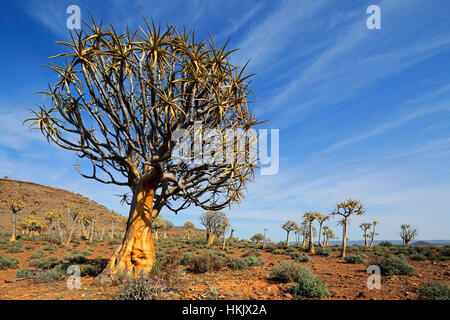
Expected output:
(362, 113)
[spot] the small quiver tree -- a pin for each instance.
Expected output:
(189, 226)
(346, 209)
(408, 233)
(212, 221)
(257, 238)
(33, 225)
(15, 206)
(365, 228)
(288, 227)
(310, 217)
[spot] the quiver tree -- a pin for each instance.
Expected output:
(329, 234)
(224, 226)
(321, 219)
(408, 233)
(167, 227)
(15, 206)
(346, 209)
(365, 228)
(257, 238)
(33, 225)
(304, 229)
(373, 233)
(324, 233)
(72, 217)
(310, 216)
(212, 221)
(288, 227)
(231, 235)
(158, 224)
(51, 217)
(189, 226)
(122, 101)
(297, 235)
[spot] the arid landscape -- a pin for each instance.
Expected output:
(244, 270)
(203, 152)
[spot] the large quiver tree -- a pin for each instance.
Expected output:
(119, 101)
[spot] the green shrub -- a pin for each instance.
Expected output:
(417, 257)
(7, 262)
(250, 253)
(86, 253)
(29, 247)
(286, 271)
(47, 263)
(393, 265)
(434, 291)
(50, 275)
(270, 249)
(324, 252)
(37, 255)
(355, 259)
(24, 273)
(310, 286)
(15, 250)
(75, 258)
(235, 263)
(186, 258)
(89, 270)
(386, 244)
(205, 262)
(444, 251)
(302, 258)
(253, 261)
(143, 287)
(50, 248)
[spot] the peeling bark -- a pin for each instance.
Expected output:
(137, 252)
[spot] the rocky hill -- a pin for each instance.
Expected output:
(41, 199)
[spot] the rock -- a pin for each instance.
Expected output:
(361, 295)
(289, 296)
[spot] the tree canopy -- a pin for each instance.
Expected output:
(121, 99)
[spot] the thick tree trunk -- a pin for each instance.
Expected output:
(344, 239)
(304, 241)
(231, 234)
(137, 252)
(366, 245)
(287, 239)
(13, 236)
(210, 240)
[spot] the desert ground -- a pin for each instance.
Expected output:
(218, 276)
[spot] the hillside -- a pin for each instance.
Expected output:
(41, 199)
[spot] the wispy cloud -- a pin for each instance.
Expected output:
(388, 126)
